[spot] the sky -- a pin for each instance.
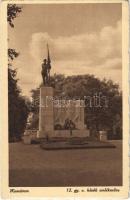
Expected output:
(83, 39)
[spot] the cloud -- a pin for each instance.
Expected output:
(114, 63)
(93, 48)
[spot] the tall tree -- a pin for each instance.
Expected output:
(17, 108)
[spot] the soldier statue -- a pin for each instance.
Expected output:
(46, 67)
(44, 72)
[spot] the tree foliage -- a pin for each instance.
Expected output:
(12, 12)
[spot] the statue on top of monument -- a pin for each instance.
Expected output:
(46, 67)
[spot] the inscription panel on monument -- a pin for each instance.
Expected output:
(72, 111)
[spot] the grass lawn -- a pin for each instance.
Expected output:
(31, 166)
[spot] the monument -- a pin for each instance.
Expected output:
(58, 118)
(46, 115)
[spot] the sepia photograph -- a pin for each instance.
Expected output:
(65, 96)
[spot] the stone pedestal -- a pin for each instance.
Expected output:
(102, 135)
(27, 139)
(46, 115)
